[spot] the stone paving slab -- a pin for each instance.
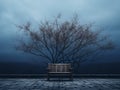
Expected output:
(43, 84)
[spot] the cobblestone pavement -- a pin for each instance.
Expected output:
(43, 84)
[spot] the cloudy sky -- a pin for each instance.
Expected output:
(105, 13)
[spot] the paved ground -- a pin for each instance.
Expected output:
(76, 84)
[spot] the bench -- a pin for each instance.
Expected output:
(59, 69)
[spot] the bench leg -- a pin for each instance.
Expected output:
(71, 76)
(48, 77)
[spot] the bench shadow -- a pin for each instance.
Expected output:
(60, 80)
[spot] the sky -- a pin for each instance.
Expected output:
(104, 13)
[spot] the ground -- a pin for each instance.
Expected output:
(43, 84)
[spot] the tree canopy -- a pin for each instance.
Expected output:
(63, 41)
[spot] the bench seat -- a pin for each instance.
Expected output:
(59, 72)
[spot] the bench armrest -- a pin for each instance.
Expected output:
(48, 69)
(71, 69)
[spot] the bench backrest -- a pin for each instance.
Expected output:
(59, 67)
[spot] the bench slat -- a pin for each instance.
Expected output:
(59, 67)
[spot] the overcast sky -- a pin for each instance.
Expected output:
(105, 13)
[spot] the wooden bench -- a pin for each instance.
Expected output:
(60, 69)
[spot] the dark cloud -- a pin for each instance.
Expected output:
(104, 13)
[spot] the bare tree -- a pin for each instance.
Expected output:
(63, 41)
